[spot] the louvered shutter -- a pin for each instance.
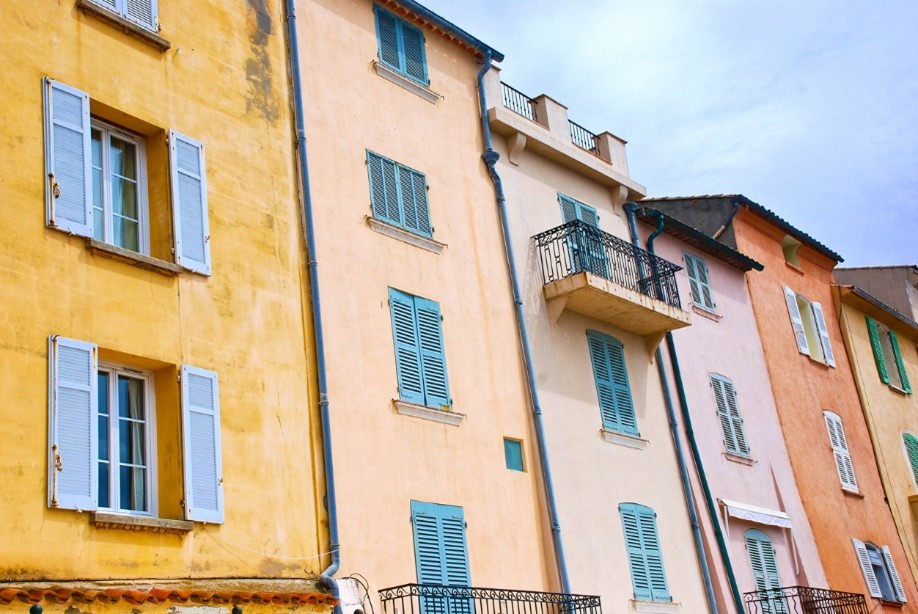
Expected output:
(413, 48)
(893, 575)
(111, 5)
(387, 35)
(203, 462)
(707, 298)
(692, 271)
(796, 321)
(654, 555)
(863, 559)
(874, 333)
(900, 364)
(568, 209)
(911, 449)
(728, 412)
(441, 554)
(189, 203)
(67, 159)
(621, 386)
(413, 190)
(433, 356)
(612, 386)
(407, 347)
(645, 557)
(73, 428)
(823, 334)
(840, 451)
(763, 561)
(640, 577)
(378, 191)
(141, 12)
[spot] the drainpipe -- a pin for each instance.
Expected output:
(736, 204)
(690, 432)
(326, 578)
(490, 157)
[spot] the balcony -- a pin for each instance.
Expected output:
(803, 599)
(436, 599)
(596, 274)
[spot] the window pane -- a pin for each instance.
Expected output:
(133, 489)
(127, 233)
(104, 495)
(98, 212)
(130, 398)
(123, 158)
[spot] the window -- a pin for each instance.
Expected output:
(698, 282)
(645, 557)
(97, 181)
(513, 454)
(441, 554)
(764, 567)
(809, 326)
(911, 451)
(727, 410)
(790, 247)
(612, 388)
(879, 571)
(840, 451)
(419, 356)
(888, 356)
(401, 46)
(140, 12)
(102, 436)
(399, 195)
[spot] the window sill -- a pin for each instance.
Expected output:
(404, 82)
(891, 604)
(622, 439)
(707, 313)
(108, 520)
(428, 413)
(853, 493)
(739, 458)
(901, 391)
(127, 256)
(794, 267)
(406, 236)
(120, 22)
(655, 607)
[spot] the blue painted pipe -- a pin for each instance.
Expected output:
(326, 578)
(490, 157)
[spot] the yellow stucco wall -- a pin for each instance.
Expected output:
(224, 83)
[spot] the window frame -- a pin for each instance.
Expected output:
(400, 26)
(702, 280)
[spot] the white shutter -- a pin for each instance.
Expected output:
(67, 159)
(893, 574)
(141, 12)
(72, 424)
(796, 321)
(823, 334)
(867, 569)
(201, 445)
(840, 451)
(189, 203)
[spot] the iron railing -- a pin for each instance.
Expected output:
(577, 247)
(436, 599)
(583, 138)
(804, 600)
(518, 102)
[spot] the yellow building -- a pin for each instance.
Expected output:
(158, 417)
(882, 344)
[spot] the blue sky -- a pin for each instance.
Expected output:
(808, 108)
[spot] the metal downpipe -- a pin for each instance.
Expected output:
(326, 578)
(490, 157)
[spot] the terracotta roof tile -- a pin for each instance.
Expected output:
(57, 594)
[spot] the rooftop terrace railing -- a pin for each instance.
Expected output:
(804, 600)
(583, 138)
(436, 599)
(577, 247)
(518, 102)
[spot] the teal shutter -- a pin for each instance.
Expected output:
(433, 357)
(911, 449)
(401, 46)
(441, 554)
(189, 203)
(612, 387)
(728, 411)
(387, 36)
(201, 445)
(399, 195)
(568, 208)
(413, 189)
(874, 333)
(645, 557)
(764, 569)
(413, 48)
(900, 364)
(407, 347)
(382, 188)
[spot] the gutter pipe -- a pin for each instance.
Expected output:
(490, 158)
(690, 432)
(326, 578)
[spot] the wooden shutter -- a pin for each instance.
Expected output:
(413, 193)
(67, 159)
(762, 560)
(413, 47)
(893, 575)
(201, 445)
(694, 285)
(823, 334)
(141, 12)
(189, 203)
(840, 450)
(911, 450)
(407, 347)
(72, 425)
(874, 333)
(796, 321)
(377, 186)
(863, 559)
(433, 356)
(728, 411)
(900, 364)
(387, 35)
(568, 209)
(645, 558)
(612, 387)
(441, 554)
(704, 285)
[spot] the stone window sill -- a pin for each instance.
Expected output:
(404, 82)
(406, 236)
(739, 458)
(120, 22)
(127, 256)
(621, 439)
(107, 520)
(655, 607)
(707, 313)
(853, 493)
(428, 413)
(895, 388)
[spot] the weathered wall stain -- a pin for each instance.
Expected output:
(260, 97)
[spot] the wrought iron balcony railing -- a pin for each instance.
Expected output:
(576, 247)
(518, 102)
(804, 600)
(436, 599)
(583, 138)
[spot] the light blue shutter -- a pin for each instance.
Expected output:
(189, 203)
(387, 35)
(763, 561)
(141, 12)
(203, 462)
(728, 411)
(433, 356)
(413, 188)
(874, 333)
(73, 428)
(893, 575)
(413, 47)
(67, 158)
(645, 556)
(698, 281)
(568, 209)
(407, 347)
(900, 364)
(441, 554)
(612, 387)
(375, 167)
